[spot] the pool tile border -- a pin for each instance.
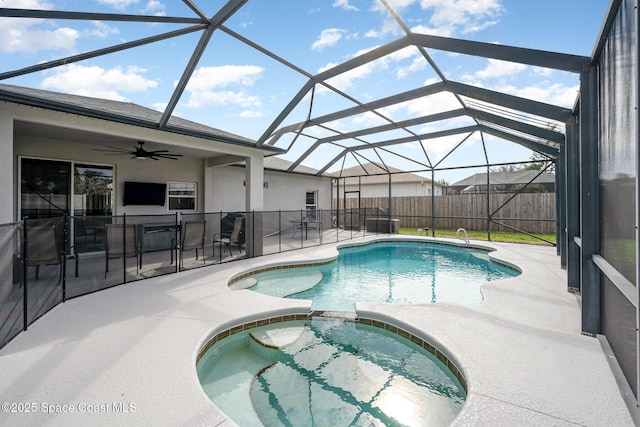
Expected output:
(277, 267)
(248, 325)
(422, 343)
(363, 320)
(365, 244)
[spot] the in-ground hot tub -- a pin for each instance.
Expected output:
(319, 372)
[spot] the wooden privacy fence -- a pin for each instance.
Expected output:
(530, 212)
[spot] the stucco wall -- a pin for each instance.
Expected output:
(283, 191)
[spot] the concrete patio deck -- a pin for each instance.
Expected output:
(126, 355)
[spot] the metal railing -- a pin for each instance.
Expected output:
(46, 261)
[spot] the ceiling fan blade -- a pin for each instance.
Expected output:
(138, 152)
(168, 156)
(112, 150)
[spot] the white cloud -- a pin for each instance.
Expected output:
(369, 119)
(26, 40)
(251, 114)
(349, 78)
(543, 72)
(205, 78)
(464, 16)
(27, 4)
(418, 64)
(118, 4)
(32, 35)
(450, 17)
(98, 82)
(154, 7)
(346, 80)
(103, 30)
(555, 94)
(210, 85)
(396, 4)
(496, 69)
(328, 38)
(436, 103)
(199, 99)
(160, 106)
(344, 4)
(389, 26)
(433, 31)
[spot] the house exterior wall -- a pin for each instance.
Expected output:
(219, 188)
(6, 168)
(125, 169)
(75, 148)
(282, 191)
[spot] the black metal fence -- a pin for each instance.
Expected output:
(46, 261)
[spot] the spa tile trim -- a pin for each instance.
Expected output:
(245, 326)
(371, 322)
(419, 341)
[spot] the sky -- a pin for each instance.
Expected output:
(241, 90)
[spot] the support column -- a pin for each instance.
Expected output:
(561, 205)
(390, 227)
(7, 175)
(433, 204)
(572, 205)
(254, 205)
(589, 200)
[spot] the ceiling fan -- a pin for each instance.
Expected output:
(140, 153)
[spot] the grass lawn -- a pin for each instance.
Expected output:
(496, 236)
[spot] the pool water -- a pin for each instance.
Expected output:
(397, 272)
(328, 372)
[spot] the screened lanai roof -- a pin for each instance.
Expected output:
(331, 85)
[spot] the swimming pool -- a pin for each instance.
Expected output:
(388, 271)
(330, 372)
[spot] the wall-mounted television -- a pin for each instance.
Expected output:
(144, 193)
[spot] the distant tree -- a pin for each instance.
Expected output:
(506, 168)
(541, 161)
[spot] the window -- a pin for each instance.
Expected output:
(311, 204)
(182, 196)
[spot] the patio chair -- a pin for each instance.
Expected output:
(192, 238)
(233, 238)
(43, 248)
(121, 241)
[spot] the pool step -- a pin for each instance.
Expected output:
(342, 315)
(278, 337)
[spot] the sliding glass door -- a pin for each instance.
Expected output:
(45, 188)
(92, 190)
(53, 188)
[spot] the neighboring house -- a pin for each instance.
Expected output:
(375, 182)
(505, 182)
(61, 154)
